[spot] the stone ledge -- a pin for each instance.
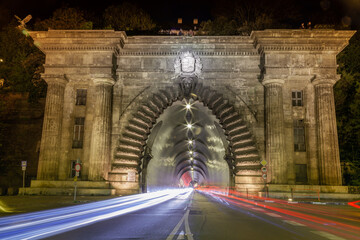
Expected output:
(307, 188)
(66, 191)
(287, 195)
(69, 184)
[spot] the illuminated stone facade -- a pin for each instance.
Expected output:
(271, 93)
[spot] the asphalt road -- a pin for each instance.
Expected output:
(202, 215)
(207, 217)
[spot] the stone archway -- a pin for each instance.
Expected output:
(131, 155)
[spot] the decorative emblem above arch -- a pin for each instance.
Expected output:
(187, 64)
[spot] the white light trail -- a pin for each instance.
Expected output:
(43, 224)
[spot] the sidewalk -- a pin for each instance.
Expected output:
(10, 205)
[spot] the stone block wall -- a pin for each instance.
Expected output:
(256, 74)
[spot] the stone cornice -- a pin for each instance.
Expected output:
(175, 53)
(301, 40)
(268, 81)
(325, 80)
(49, 66)
(296, 47)
(55, 79)
(83, 47)
(103, 81)
(78, 40)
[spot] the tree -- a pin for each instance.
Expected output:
(242, 17)
(127, 17)
(347, 100)
(21, 63)
(64, 18)
(220, 26)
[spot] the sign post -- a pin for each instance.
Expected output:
(264, 176)
(23, 166)
(77, 170)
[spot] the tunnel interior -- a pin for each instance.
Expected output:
(187, 148)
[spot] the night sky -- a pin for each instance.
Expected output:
(165, 11)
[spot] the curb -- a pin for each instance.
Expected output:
(306, 202)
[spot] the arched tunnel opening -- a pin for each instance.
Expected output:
(185, 148)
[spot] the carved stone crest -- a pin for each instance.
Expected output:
(187, 65)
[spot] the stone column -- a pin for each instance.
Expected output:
(99, 161)
(51, 133)
(328, 148)
(275, 133)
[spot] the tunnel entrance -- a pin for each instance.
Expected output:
(154, 147)
(186, 148)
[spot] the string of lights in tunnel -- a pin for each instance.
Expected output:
(190, 144)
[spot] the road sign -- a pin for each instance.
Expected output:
(77, 167)
(263, 169)
(263, 162)
(264, 176)
(23, 165)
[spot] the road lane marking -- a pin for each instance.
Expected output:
(181, 236)
(188, 233)
(187, 227)
(176, 229)
(327, 235)
(294, 223)
(273, 214)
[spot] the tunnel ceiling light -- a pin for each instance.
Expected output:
(189, 125)
(190, 152)
(191, 158)
(188, 106)
(190, 141)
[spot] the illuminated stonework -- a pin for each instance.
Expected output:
(270, 92)
(187, 65)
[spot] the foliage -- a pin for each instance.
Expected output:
(248, 15)
(127, 17)
(64, 18)
(3, 166)
(347, 100)
(220, 26)
(21, 63)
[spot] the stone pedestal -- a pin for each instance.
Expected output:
(51, 133)
(100, 138)
(328, 149)
(275, 147)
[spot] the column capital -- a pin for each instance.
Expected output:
(55, 78)
(268, 81)
(325, 80)
(103, 81)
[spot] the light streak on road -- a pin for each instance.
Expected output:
(354, 204)
(335, 227)
(43, 224)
